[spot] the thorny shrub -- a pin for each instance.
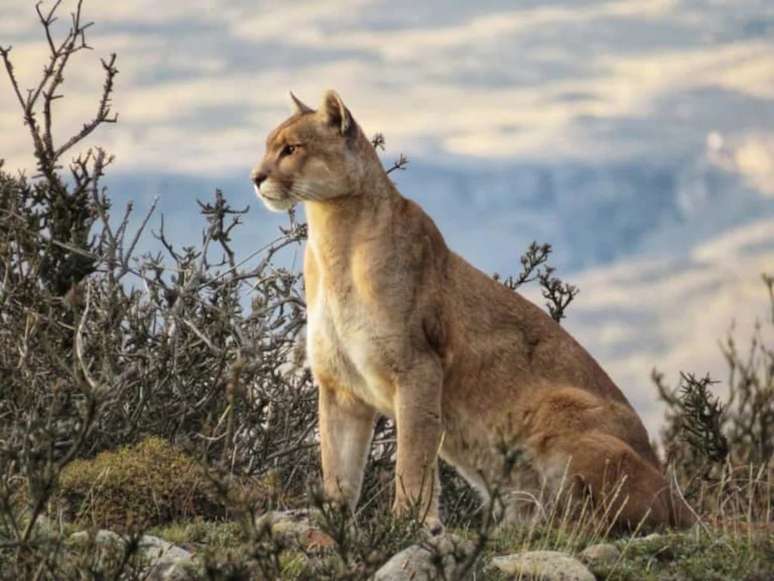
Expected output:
(721, 449)
(100, 348)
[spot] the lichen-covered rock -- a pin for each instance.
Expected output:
(176, 570)
(107, 547)
(653, 538)
(423, 562)
(601, 554)
(294, 525)
(158, 549)
(543, 566)
(102, 538)
(162, 560)
(167, 562)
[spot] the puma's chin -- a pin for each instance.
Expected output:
(275, 200)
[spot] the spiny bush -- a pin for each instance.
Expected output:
(101, 348)
(721, 450)
(702, 429)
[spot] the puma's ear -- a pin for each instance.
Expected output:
(299, 108)
(335, 113)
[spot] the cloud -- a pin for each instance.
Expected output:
(295, 22)
(751, 155)
(304, 24)
(671, 314)
(494, 83)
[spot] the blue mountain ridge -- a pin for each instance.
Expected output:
(592, 215)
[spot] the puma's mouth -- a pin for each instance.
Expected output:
(267, 196)
(273, 197)
(271, 191)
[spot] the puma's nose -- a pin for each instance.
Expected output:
(258, 178)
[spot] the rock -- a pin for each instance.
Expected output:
(46, 526)
(180, 570)
(286, 521)
(651, 538)
(295, 525)
(107, 545)
(167, 562)
(156, 549)
(543, 565)
(601, 554)
(418, 562)
(102, 538)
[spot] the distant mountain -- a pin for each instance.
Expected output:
(592, 215)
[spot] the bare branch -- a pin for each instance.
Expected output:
(103, 112)
(400, 164)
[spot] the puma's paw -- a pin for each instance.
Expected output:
(434, 526)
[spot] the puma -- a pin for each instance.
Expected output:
(400, 325)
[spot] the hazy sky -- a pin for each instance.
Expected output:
(600, 96)
(479, 80)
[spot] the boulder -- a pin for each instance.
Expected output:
(600, 554)
(179, 570)
(543, 566)
(294, 525)
(102, 538)
(157, 549)
(422, 562)
(168, 562)
(165, 561)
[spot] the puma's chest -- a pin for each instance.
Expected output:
(345, 349)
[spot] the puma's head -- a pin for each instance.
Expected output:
(313, 156)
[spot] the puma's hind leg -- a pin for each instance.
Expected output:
(623, 486)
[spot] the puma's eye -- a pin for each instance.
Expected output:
(288, 149)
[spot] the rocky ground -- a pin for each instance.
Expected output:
(169, 525)
(197, 550)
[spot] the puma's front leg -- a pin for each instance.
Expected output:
(346, 429)
(418, 419)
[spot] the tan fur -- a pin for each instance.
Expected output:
(400, 325)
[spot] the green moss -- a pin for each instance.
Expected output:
(701, 555)
(294, 565)
(694, 556)
(148, 484)
(213, 534)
